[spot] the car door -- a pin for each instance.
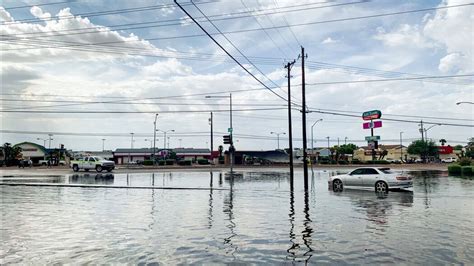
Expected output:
(369, 177)
(91, 164)
(354, 178)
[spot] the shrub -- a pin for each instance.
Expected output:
(161, 162)
(467, 170)
(454, 169)
(356, 161)
(203, 161)
(184, 162)
(169, 162)
(464, 161)
(378, 162)
(343, 162)
(148, 162)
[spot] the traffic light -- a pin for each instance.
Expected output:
(227, 139)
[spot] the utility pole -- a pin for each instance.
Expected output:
(305, 152)
(154, 139)
(131, 147)
(211, 120)
(328, 143)
(103, 144)
(288, 66)
(422, 131)
(345, 140)
(401, 147)
(338, 141)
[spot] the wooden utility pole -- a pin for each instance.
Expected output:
(288, 66)
(305, 152)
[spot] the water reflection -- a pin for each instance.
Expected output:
(377, 206)
(228, 210)
(97, 179)
(308, 230)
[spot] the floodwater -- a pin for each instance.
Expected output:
(250, 218)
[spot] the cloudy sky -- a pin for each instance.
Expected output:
(88, 70)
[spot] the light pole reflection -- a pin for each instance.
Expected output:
(228, 210)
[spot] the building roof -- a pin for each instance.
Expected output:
(178, 151)
(192, 150)
(41, 147)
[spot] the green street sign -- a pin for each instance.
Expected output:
(229, 130)
(370, 115)
(372, 138)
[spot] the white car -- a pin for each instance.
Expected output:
(380, 179)
(449, 160)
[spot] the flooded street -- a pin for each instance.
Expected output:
(203, 217)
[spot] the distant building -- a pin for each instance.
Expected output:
(32, 151)
(394, 152)
(108, 155)
(259, 157)
(123, 156)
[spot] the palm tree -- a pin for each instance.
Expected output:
(442, 141)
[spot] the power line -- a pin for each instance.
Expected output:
(106, 12)
(180, 134)
(179, 22)
(218, 44)
(136, 112)
(276, 27)
(43, 4)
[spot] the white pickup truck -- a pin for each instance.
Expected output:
(92, 162)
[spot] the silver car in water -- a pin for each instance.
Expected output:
(379, 179)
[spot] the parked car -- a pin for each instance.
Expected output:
(92, 162)
(449, 160)
(380, 179)
(393, 160)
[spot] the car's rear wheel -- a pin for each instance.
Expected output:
(381, 186)
(75, 168)
(337, 185)
(98, 168)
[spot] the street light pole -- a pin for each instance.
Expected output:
(131, 147)
(312, 139)
(426, 131)
(154, 138)
(278, 137)
(345, 140)
(103, 144)
(328, 142)
(401, 147)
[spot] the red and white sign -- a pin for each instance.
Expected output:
(445, 149)
(372, 124)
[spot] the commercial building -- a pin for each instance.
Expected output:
(124, 156)
(392, 152)
(32, 151)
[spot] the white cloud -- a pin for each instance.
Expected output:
(453, 28)
(38, 13)
(405, 35)
(328, 40)
(5, 16)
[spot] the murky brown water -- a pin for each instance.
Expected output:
(254, 219)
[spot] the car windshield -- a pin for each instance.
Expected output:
(99, 158)
(386, 170)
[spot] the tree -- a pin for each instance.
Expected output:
(458, 147)
(470, 148)
(423, 148)
(442, 141)
(343, 149)
(10, 154)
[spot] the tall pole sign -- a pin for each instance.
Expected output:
(372, 140)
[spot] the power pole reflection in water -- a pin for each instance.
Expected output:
(306, 233)
(228, 210)
(210, 215)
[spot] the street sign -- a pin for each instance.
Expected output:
(372, 124)
(371, 145)
(229, 130)
(372, 138)
(369, 115)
